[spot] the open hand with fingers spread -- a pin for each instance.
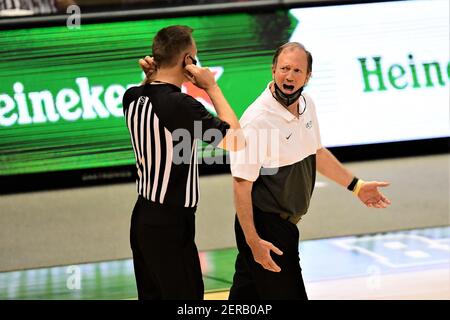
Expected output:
(371, 196)
(261, 253)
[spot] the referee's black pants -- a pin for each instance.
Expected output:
(251, 281)
(165, 257)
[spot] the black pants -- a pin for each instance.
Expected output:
(165, 257)
(251, 281)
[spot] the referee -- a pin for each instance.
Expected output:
(165, 126)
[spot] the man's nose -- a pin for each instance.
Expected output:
(290, 76)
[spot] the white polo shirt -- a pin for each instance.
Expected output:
(280, 155)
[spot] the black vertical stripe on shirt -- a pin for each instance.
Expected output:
(137, 142)
(162, 162)
(130, 123)
(194, 175)
(149, 152)
(191, 176)
(152, 155)
(157, 153)
(137, 139)
(168, 164)
(191, 193)
(144, 132)
(143, 136)
(188, 192)
(197, 179)
(134, 127)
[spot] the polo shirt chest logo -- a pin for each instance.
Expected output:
(309, 124)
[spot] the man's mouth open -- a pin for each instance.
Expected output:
(288, 87)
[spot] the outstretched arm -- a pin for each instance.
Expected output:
(367, 191)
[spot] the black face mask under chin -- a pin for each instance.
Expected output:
(287, 99)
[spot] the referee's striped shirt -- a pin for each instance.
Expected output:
(166, 158)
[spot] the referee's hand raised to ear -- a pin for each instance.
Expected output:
(201, 77)
(147, 64)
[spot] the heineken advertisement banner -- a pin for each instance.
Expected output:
(380, 74)
(381, 71)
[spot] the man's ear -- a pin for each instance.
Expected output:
(307, 78)
(273, 72)
(185, 60)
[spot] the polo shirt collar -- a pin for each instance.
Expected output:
(274, 106)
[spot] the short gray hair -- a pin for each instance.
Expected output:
(293, 45)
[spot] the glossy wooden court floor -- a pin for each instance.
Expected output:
(411, 264)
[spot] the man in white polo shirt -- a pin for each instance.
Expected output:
(274, 179)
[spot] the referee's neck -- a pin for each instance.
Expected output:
(170, 75)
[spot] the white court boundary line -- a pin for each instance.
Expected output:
(349, 245)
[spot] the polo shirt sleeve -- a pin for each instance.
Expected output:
(246, 163)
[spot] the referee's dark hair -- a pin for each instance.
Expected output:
(169, 43)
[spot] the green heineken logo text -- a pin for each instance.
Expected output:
(378, 76)
(87, 102)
